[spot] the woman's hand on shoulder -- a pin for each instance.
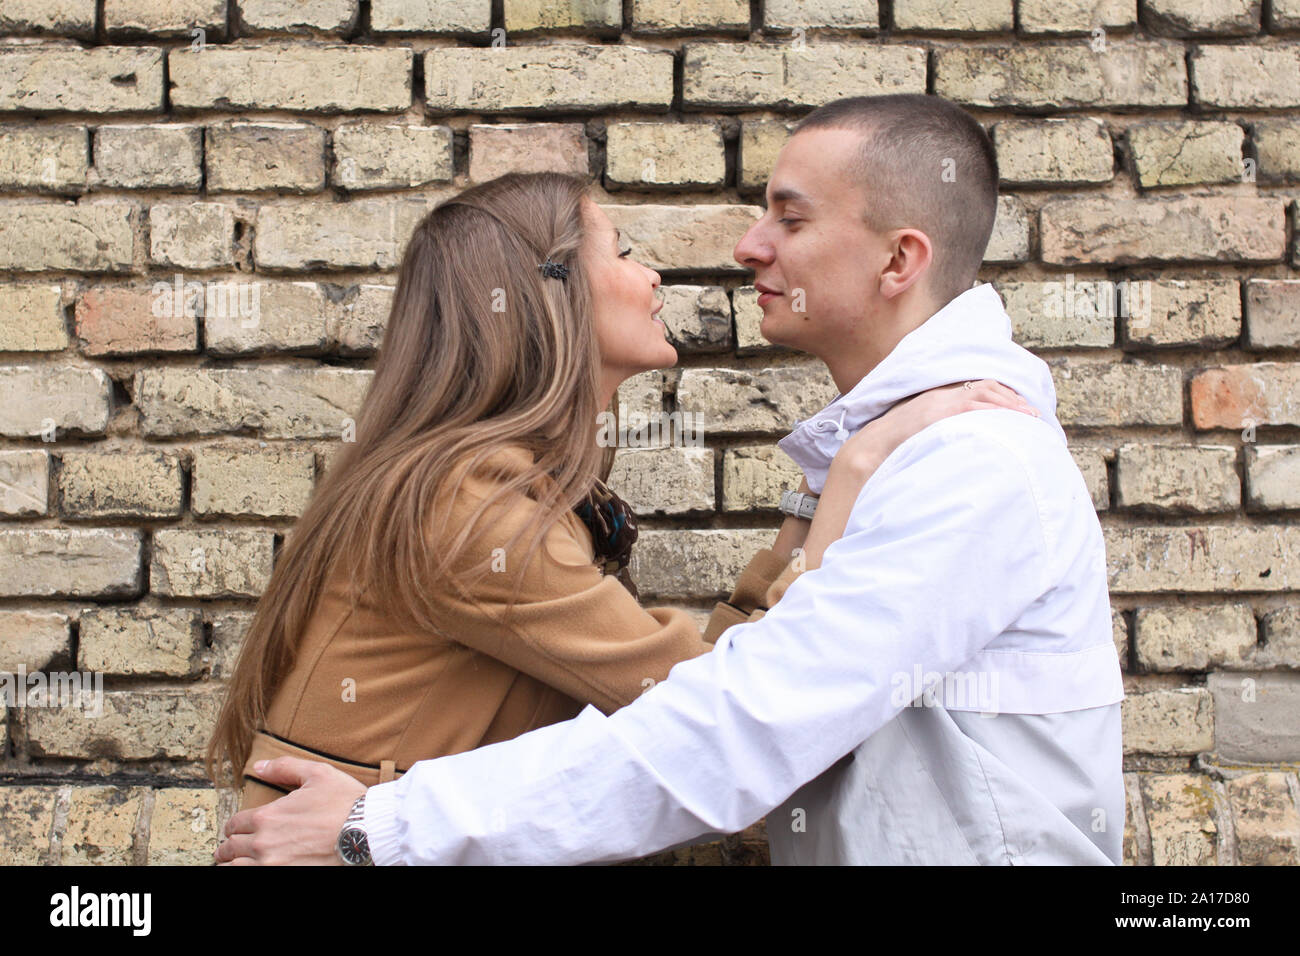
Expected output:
(876, 441)
(865, 451)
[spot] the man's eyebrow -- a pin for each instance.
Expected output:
(787, 194)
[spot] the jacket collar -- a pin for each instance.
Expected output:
(969, 338)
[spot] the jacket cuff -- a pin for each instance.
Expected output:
(379, 819)
(776, 589)
(752, 585)
(753, 593)
(723, 617)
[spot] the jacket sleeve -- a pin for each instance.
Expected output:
(571, 626)
(759, 586)
(944, 550)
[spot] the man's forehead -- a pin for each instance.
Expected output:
(811, 170)
(823, 190)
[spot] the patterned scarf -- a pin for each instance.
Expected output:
(613, 530)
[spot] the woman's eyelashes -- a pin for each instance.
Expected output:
(625, 252)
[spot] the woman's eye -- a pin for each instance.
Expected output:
(787, 220)
(625, 252)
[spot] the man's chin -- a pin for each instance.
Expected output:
(777, 332)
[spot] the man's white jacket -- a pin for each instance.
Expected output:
(943, 689)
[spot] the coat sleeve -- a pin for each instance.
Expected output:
(944, 550)
(571, 626)
(759, 586)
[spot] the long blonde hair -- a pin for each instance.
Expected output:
(481, 351)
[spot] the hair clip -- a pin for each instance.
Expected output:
(554, 270)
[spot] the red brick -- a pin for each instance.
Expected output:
(1234, 396)
(120, 320)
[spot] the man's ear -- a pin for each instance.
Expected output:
(911, 255)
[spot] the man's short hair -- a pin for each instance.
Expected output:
(926, 164)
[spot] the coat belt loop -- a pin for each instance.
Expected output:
(387, 770)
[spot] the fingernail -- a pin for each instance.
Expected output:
(259, 766)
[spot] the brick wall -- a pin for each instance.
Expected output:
(151, 458)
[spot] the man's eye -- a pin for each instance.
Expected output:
(787, 220)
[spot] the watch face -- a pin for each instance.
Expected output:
(353, 846)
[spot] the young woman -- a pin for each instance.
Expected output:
(459, 576)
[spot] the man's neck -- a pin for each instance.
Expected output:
(880, 336)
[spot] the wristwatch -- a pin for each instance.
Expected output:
(798, 504)
(353, 847)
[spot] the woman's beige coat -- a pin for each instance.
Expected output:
(373, 697)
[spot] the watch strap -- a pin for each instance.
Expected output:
(798, 504)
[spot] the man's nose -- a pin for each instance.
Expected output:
(753, 249)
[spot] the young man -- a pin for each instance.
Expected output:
(942, 689)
